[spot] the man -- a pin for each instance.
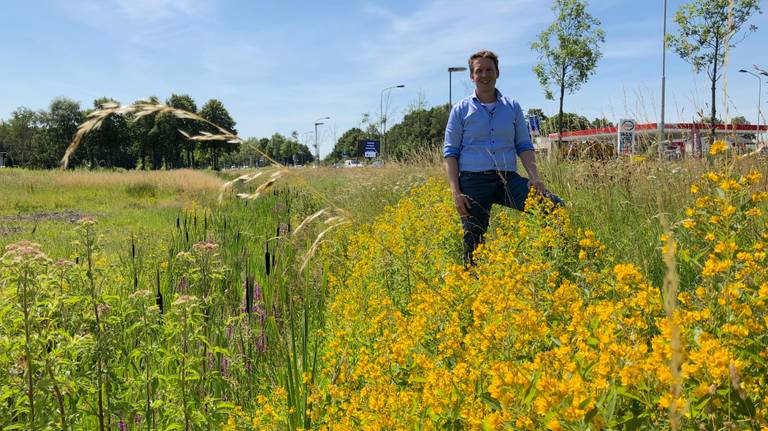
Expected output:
(485, 135)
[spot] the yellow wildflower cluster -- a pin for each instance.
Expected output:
(548, 331)
(717, 147)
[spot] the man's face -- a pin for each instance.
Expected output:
(484, 74)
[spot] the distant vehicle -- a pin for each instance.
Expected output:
(352, 164)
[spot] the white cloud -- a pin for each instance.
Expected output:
(442, 33)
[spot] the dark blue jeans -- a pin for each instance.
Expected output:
(483, 189)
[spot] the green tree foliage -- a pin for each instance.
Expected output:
(144, 145)
(570, 122)
(421, 131)
(19, 137)
(59, 126)
(705, 33)
(191, 127)
(39, 139)
(285, 150)
(568, 50)
(110, 144)
(347, 144)
(600, 123)
(215, 112)
(538, 112)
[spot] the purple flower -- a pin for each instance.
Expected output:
(183, 285)
(122, 426)
(224, 366)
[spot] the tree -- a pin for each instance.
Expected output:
(346, 145)
(568, 50)
(421, 131)
(564, 123)
(175, 140)
(109, 145)
(60, 124)
(536, 112)
(20, 133)
(215, 112)
(705, 33)
(144, 143)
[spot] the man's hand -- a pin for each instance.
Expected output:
(538, 186)
(462, 204)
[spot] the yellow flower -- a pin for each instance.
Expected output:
(717, 147)
(730, 184)
(694, 189)
(751, 178)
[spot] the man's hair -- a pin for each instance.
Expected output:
(484, 54)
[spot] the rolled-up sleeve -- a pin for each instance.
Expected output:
(454, 132)
(522, 136)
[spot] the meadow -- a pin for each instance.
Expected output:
(335, 299)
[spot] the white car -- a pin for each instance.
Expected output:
(352, 164)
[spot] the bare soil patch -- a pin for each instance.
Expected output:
(66, 215)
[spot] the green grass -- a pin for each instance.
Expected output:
(43, 205)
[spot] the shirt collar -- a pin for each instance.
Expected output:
(498, 95)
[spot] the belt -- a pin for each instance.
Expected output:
(489, 172)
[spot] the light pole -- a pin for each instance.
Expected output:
(450, 71)
(759, 94)
(317, 148)
(663, 78)
(383, 118)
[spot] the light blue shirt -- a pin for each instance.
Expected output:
(484, 140)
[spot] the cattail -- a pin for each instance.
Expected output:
(133, 247)
(237, 238)
(159, 297)
(205, 222)
(194, 214)
(186, 236)
(178, 222)
(267, 261)
(248, 296)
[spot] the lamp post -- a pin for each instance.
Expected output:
(759, 94)
(450, 71)
(383, 118)
(317, 148)
(663, 78)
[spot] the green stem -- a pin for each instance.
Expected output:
(28, 349)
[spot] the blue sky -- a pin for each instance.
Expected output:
(279, 65)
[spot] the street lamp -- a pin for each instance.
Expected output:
(663, 78)
(451, 70)
(317, 148)
(759, 93)
(384, 117)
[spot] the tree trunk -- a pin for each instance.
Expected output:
(714, 89)
(560, 115)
